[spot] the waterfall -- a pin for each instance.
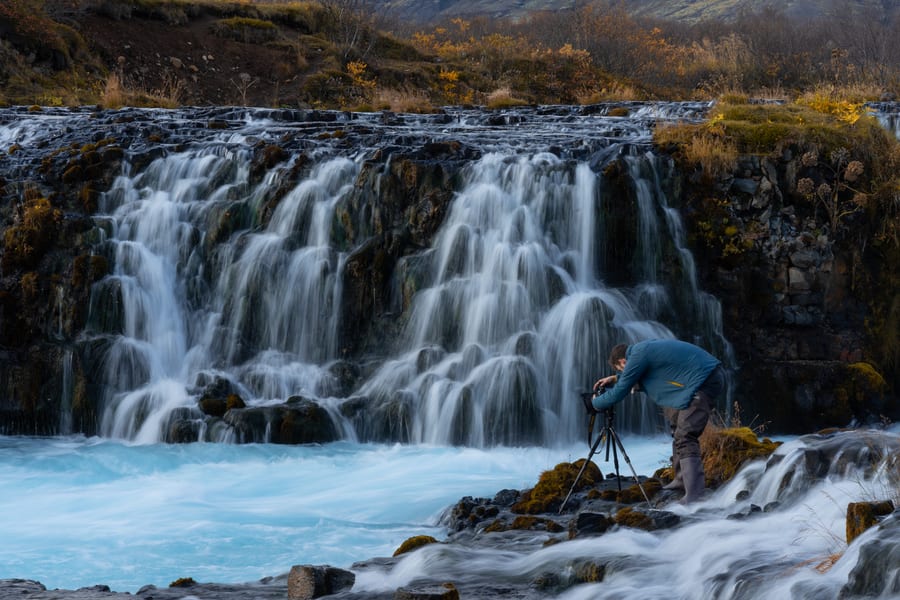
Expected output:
(215, 281)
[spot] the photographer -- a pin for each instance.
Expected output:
(685, 381)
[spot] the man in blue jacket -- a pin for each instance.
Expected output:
(684, 380)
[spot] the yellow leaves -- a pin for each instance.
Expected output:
(451, 77)
(461, 24)
(843, 110)
(451, 89)
(356, 69)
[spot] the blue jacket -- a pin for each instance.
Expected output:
(669, 371)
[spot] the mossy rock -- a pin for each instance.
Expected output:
(497, 525)
(863, 515)
(531, 523)
(633, 493)
(414, 543)
(628, 517)
(588, 572)
(553, 486)
(725, 451)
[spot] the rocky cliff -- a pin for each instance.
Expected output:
(800, 298)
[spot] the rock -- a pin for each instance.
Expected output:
(725, 451)
(307, 581)
(553, 485)
(298, 421)
(446, 591)
(863, 515)
(417, 541)
(589, 523)
(877, 571)
(648, 520)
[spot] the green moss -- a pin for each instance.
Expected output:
(24, 244)
(866, 374)
(633, 493)
(413, 543)
(628, 517)
(495, 526)
(246, 29)
(725, 451)
(863, 515)
(553, 486)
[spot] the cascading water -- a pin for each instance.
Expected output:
(511, 319)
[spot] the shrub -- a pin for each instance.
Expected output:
(246, 30)
(35, 230)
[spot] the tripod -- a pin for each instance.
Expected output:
(609, 435)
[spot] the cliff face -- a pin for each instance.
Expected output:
(808, 295)
(800, 300)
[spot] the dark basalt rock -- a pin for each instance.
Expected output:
(298, 421)
(877, 571)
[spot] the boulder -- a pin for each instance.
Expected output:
(307, 581)
(863, 515)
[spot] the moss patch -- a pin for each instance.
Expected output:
(725, 451)
(413, 543)
(553, 486)
(628, 517)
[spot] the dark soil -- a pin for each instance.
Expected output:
(193, 65)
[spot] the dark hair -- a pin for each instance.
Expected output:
(617, 354)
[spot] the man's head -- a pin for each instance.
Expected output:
(617, 357)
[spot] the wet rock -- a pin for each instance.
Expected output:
(863, 515)
(648, 520)
(306, 582)
(446, 591)
(552, 486)
(414, 543)
(877, 571)
(588, 523)
(386, 420)
(299, 421)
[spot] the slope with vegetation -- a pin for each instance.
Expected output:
(350, 54)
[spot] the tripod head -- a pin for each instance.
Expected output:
(609, 414)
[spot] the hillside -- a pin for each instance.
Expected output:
(680, 10)
(336, 54)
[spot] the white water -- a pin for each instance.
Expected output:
(79, 512)
(509, 318)
(794, 549)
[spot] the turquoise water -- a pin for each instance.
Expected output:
(79, 512)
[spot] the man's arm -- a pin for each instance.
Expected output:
(630, 377)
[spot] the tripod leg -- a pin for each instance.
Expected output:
(618, 442)
(581, 472)
(615, 457)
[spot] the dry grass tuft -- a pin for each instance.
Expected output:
(117, 94)
(503, 98)
(403, 101)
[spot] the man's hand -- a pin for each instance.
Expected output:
(605, 382)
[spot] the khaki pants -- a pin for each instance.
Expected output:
(688, 423)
